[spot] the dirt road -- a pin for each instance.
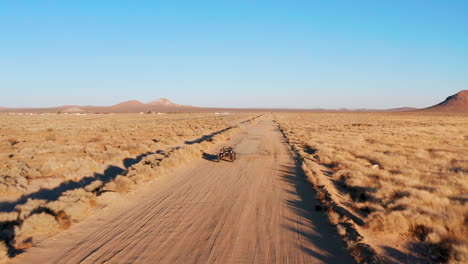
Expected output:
(258, 209)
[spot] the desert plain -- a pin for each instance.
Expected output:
(308, 187)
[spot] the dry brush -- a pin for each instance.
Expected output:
(34, 218)
(394, 182)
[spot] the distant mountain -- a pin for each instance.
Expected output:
(133, 106)
(401, 109)
(133, 103)
(158, 105)
(454, 103)
(162, 101)
(72, 110)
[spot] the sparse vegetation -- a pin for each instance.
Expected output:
(89, 162)
(44, 151)
(401, 179)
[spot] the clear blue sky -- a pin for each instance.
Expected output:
(243, 53)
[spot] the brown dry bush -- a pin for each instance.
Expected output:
(78, 168)
(13, 141)
(95, 186)
(50, 137)
(391, 224)
(26, 209)
(120, 184)
(36, 225)
(75, 204)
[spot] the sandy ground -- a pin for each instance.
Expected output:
(258, 209)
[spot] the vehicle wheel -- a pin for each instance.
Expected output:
(234, 156)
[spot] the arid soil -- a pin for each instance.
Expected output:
(54, 169)
(258, 209)
(399, 179)
(306, 188)
(45, 151)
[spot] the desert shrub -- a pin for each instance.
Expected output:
(3, 253)
(50, 137)
(25, 153)
(122, 184)
(35, 225)
(77, 168)
(175, 160)
(143, 148)
(13, 141)
(12, 185)
(77, 210)
(8, 217)
(74, 203)
(94, 186)
(27, 208)
(368, 207)
(50, 165)
(47, 147)
(341, 229)
(110, 155)
(18, 169)
(95, 139)
(70, 149)
(76, 195)
(167, 141)
(141, 173)
(186, 153)
(460, 253)
(389, 167)
(333, 217)
(63, 220)
(393, 222)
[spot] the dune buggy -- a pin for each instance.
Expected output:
(227, 153)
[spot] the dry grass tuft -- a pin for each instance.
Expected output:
(94, 187)
(63, 220)
(35, 225)
(393, 222)
(28, 208)
(123, 184)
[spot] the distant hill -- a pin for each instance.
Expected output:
(73, 110)
(159, 105)
(454, 103)
(165, 102)
(132, 103)
(402, 109)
